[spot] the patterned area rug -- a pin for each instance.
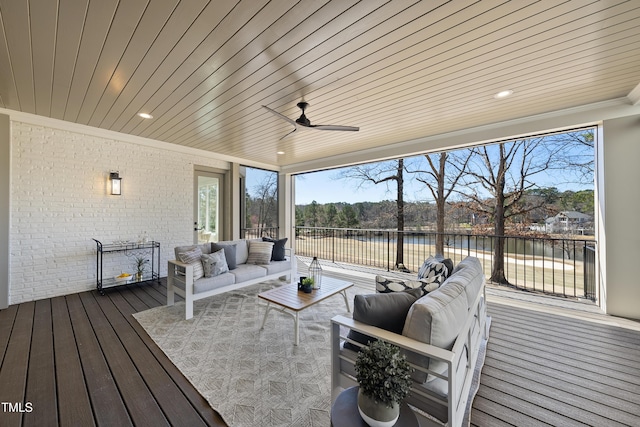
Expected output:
(252, 377)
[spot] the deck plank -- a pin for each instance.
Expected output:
(7, 320)
(41, 381)
(122, 302)
(487, 413)
(107, 403)
(513, 404)
(74, 405)
(168, 397)
(559, 326)
(568, 380)
(578, 408)
(13, 373)
(141, 405)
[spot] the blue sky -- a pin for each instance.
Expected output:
(330, 187)
(327, 187)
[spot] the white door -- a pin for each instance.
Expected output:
(208, 206)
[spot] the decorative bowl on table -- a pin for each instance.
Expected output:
(123, 278)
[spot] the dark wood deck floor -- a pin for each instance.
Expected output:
(83, 360)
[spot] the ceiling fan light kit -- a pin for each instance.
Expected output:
(305, 122)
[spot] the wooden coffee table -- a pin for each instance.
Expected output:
(288, 297)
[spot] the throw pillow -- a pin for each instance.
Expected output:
(387, 311)
(260, 253)
(433, 273)
(278, 253)
(214, 264)
(192, 257)
(385, 285)
(229, 253)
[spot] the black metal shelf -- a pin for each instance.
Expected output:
(130, 249)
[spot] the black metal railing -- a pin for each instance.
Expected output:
(256, 233)
(551, 265)
(589, 258)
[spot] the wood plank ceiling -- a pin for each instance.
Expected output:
(398, 69)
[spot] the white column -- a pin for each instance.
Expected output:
(286, 208)
(619, 205)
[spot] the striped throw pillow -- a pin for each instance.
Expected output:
(260, 253)
(193, 257)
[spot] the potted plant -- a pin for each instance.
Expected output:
(140, 263)
(384, 377)
(307, 285)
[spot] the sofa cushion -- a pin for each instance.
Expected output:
(437, 318)
(260, 252)
(278, 253)
(214, 264)
(277, 266)
(387, 311)
(434, 271)
(192, 257)
(245, 272)
(229, 252)
(208, 283)
(388, 284)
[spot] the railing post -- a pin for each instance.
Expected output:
(333, 245)
(388, 248)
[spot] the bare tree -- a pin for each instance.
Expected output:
(442, 185)
(265, 200)
(504, 172)
(379, 173)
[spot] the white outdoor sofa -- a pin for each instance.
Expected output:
(180, 275)
(455, 313)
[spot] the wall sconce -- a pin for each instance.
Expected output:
(116, 183)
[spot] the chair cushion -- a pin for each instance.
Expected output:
(260, 252)
(229, 252)
(278, 253)
(468, 273)
(387, 311)
(437, 318)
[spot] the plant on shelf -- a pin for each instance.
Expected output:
(384, 376)
(140, 265)
(307, 284)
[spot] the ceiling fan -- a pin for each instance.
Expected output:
(305, 122)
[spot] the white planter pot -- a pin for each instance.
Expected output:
(377, 414)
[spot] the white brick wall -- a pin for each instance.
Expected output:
(60, 201)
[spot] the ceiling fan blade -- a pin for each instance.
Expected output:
(334, 127)
(294, 129)
(287, 119)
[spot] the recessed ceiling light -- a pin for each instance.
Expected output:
(503, 94)
(145, 115)
(280, 152)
